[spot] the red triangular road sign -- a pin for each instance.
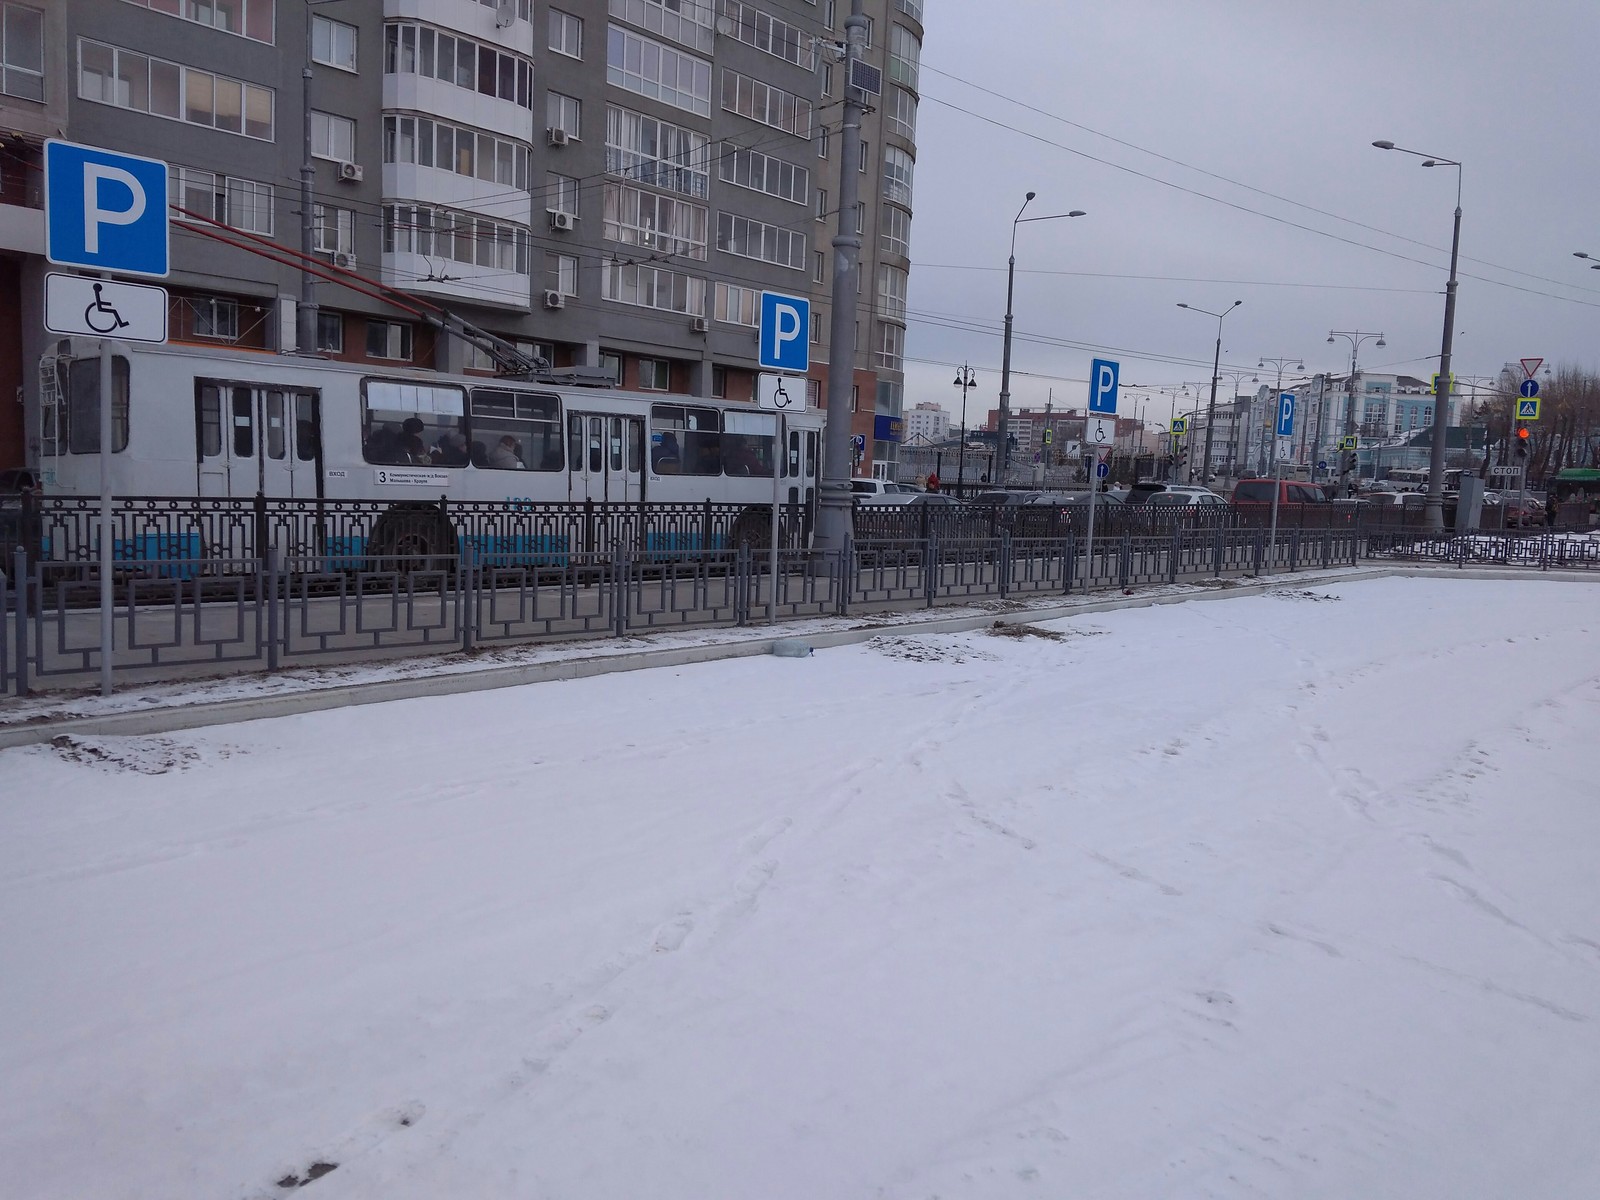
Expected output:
(1530, 365)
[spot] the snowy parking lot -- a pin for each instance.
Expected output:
(1279, 896)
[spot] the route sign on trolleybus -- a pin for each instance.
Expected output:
(785, 332)
(105, 211)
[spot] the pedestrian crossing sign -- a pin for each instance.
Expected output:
(1347, 443)
(1528, 410)
(1180, 424)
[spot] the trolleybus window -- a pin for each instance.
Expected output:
(531, 420)
(694, 433)
(412, 422)
(83, 406)
(747, 442)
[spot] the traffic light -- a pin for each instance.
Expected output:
(1522, 441)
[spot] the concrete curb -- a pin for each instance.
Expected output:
(171, 719)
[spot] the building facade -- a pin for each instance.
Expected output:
(926, 423)
(604, 183)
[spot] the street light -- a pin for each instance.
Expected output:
(1005, 357)
(1356, 337)
(1216, 363)
(1433, 511)
(964, 379)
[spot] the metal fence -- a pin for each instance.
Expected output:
(178, 616)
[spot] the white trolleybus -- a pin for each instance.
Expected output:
(202, 423)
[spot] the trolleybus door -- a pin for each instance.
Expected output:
(605, 457)
(255, 439)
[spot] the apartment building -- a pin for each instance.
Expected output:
(605, 183)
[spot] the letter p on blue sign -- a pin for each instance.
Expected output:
(1103, 386)
(1285, 414)
(105, 211)
(785, 333)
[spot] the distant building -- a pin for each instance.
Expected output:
(927, 422)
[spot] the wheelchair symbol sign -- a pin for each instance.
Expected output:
(79, 306)
(781, 393)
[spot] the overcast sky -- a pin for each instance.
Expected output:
(1283, 97)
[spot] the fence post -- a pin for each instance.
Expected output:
(258, 508)
(846, 565)
(467, 584)
(1216, 552)
(741, 582)
(1071, 563)
(1172, 557)
(706, 529)
(930, 567)
(1003, 565)
(620, 583)
(1124, 560)
(1294, 548)
(1259, 542)
(272, 607)
(21, 583)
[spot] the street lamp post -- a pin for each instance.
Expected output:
(1261, 426)
(1216, 363)
(1005, 355)
(1433, 510)
(1356, 337)
(964, 379)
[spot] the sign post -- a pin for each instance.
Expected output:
(779, 394)
(1285, 429)
(105, 211)
(1100, 430)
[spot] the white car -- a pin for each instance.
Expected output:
(917, 499)
(864, 488)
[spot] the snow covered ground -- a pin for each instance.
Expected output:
(1289, 896)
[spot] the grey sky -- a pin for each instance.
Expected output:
(1286, 97)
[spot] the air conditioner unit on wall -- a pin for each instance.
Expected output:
(556, 136)
(554, 300)
(700, 325)
(562, 220)
(350, 172)
(340, 259)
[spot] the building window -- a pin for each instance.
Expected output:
(611, 364)
(564, 113)
(655, 375)
(763, 173)
(467, 152)
(459, 61)
(333, 43)
(241, 203)
(638, 218)
(561, 194)
(653, 152)
(213, 317)
(912, 8)
(735, 305)
(861, 159)
(891, 347)
(333, 229)
(253, 19)
(902, 114)
(687, 24)
(566, 33)
(22, 52)
(330, 331)
(894, 231)
(456, 236)
(563, 272)
(123, 79)
(822, 141)
(719, 382)
(767, 104)
(819, 266)
(891, 292)
(388, 339)
(332, 137)
(816, 327)
(648, 286)
(822, 204)
(658, 71)
(905, 56)
(897, 171)
(756, 239)
(765, 32)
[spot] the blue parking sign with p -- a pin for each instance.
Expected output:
(1285, 414)
(1103, 386)
(105, 211)
(785, 343)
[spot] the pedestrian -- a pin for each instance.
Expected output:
(933, 481)
(1552, 511)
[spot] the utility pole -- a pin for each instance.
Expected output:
(306, 315)
(836, 507)
(1349, 459)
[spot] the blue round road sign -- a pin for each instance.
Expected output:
(1322, 466)
(1529, 388)
(1101, 470)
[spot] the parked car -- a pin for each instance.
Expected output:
(1003, 499)
(910, 499)
(1141, 492)
(1290, 491)
(1075, 498)
(16, 480)
(882, 487)
(1198, 499)
(1384, 506)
